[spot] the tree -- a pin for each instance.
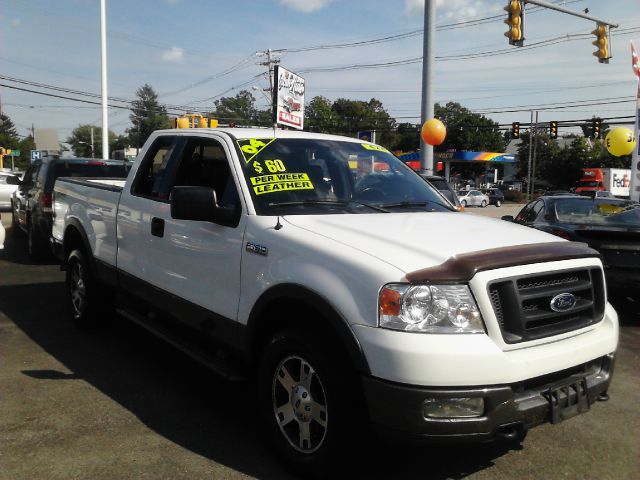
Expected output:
(147, 116)
(241, 110)
(9, 138)
(348, 117)
(318, 116)
(407, 138)
(467, 130)
(80, 141)
(548, 154)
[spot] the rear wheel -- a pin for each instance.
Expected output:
(498, 203)
(483, 204)
(308, 400)
(87, 305)
(35, 244)
(15, 227)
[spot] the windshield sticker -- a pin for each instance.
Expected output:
(253, 146)
(281, 182)
(377, 148)
(273, 166)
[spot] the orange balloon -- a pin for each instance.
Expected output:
(433, 132)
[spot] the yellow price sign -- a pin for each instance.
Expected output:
(377, 148)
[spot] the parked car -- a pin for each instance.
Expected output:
(31, 203)
(608, 225)
(441, 184)
(496, 197)
(473, 198)
(8, 184)
(2, 233)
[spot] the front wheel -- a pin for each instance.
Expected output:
(483, 204)
(463, 203)
(303, 393)
(498, 203)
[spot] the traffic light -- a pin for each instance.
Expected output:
(596, 127)
(515, 130)
(515, 20)
(553, 129)
(601, 43)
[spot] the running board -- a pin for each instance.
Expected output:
(214, 361)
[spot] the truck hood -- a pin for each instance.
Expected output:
(411, 241)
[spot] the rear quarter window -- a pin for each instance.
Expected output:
(75, 169)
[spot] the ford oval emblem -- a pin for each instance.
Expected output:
(563, 302)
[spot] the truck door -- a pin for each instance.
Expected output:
(195, 265)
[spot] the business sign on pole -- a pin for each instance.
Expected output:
(36, 155)
(288, 98)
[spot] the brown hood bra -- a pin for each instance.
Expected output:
(461, 268)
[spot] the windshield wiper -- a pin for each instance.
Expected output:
(337, 203)
(404, 204)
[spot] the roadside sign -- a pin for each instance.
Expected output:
(288, 98)
(15, 153)
(36, 155)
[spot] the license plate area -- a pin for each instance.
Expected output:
(567, 400)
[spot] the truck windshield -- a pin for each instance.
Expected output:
(311, 176)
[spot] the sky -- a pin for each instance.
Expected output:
(195, 51)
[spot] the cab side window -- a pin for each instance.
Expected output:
(151, 178)
(204, 163)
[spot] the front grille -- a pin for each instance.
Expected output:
(522, 304)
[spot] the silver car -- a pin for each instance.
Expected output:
(8, 184)
(473, 198)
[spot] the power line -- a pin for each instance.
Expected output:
(407, 34)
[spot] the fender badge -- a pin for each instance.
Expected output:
(257, 249)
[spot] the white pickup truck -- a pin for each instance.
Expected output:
(347, 285)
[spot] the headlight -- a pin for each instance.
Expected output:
(429, 309)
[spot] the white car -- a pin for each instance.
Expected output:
(8, 184)
(473, 198)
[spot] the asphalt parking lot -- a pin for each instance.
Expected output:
(117, 404)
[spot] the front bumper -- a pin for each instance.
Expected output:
(396, 409)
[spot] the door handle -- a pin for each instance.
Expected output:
(157, 227)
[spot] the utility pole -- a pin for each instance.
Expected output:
(103, 50)
(92, 154)
(535, 150)
(428, 57)
(530, 157)
(270, 64)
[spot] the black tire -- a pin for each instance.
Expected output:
(87, 304)
(35, 244)
(498, 203)
(483, 204)
(310, 420)
(15, 227)
(463, 203)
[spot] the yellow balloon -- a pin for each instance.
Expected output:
(620, 141)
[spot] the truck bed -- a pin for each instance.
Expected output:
(93, 202)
